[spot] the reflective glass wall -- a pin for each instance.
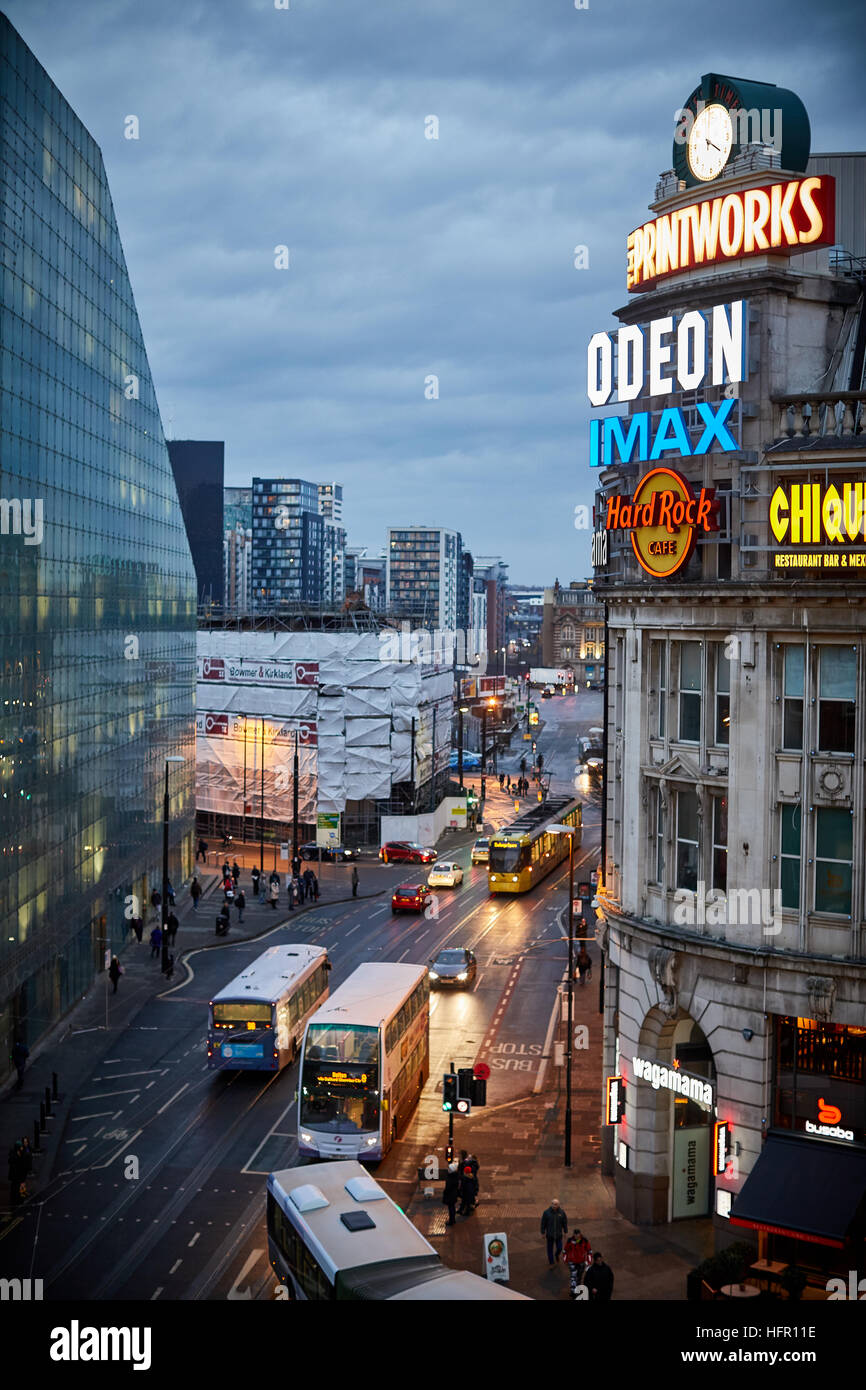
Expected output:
(97, 587)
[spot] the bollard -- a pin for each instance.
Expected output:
(42, 1115)
(55, 1087)
(37, 1147)
(48, 1101)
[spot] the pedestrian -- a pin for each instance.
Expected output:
(577, 1255)
(308, 877)
(229, 888)
(226, 870)
(240, 903)
(274, 892)
(170, 891)
(501, 780)
(451, 1193)
(222, 922)
(171, 927)
(354, 880)
(20, 1053)
(17, 1164)
(508, 782)
(137, 925)
(156, 900)
(26, 1157)
(169, 968)
(195, 893)
(300, 887)
(584, 959)
(255, 876)
(236, 872)
(599, 1279)
(315, 888)
(554, 1224)
(201, 852)
(468, 1190)
(115, 970)
(155, 942)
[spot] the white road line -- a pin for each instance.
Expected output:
(248, 1168)
(119, 1150)
(193, 1241)
(157, 1293)
(351, 929)
(405, 953)
(109, 1095)
(97, 1114)
(173, 1098)
(120, 1075)
(177, 1264)
(374, 910)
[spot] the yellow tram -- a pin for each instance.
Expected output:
(525, 852)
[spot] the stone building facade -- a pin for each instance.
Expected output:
(573, 632)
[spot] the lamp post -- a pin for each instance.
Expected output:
(461, 710)
(569, 831)
(294, 802)
(172, 758)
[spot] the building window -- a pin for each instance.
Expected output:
(789, 875)
(720, 843)
(723, 696)
(837, 681)
(834, 844)
(690, 692)
(659, 838)
(687, 840)
(818, 1064)
(792, 697)
(659, 681)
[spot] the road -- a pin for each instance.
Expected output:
(159, 1193)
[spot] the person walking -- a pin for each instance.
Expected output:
(240, 903)
(584, 960)
(236, 872)
(255, 876)
(115, 970)
(137, 925)
(301, 887)
(156, 900)
(222, 922)
(354, 880)
(227, 870)
(171, 927)
(170, 891)
(599, 1279)
(20, 1053)
(155, 942)
(315, 887)
(554, 1224)
(468, 1190)
(274, 891)
(308, 877)
(451, 1192)
(201, 852)
(577, 1256)
(501, 780)
(195, 893)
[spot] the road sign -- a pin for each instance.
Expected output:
(327, 828)
(284, 850)
(578, 906)
(482, 1071)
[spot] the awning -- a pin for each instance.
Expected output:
(803, 1188)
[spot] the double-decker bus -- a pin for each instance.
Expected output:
(257, 1021)
(366, 1057)
(333, 1233)
(525, 852)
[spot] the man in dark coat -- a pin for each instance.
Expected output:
(599, 1279)
(451, 1193)
(554, 1224)
(255, 878)
(468, 1190)
(171, 926)
(354, 880)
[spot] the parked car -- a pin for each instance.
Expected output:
(330, 853)
(480, 851)
(410, 897)
(445, 875)
(455, 966)
(470, 759)
(406, 852)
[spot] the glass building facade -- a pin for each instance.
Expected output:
(97, 586)
(288, 543)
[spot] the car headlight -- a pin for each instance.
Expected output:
(464, 975)
(307, 1138)
(371, 1141)
(431, 974)
(514, 876)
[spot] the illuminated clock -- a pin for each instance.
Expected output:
(709, 142)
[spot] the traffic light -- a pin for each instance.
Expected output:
(534, 745)
(483, 788)
(465, 1077)
(449, 1091)
(478, 1091)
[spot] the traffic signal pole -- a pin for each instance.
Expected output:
(449, 1152)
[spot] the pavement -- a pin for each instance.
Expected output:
(71, 1051)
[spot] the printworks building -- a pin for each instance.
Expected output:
(730, 550)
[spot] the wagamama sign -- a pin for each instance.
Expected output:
(673, 1080)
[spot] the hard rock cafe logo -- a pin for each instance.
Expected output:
(664, 517)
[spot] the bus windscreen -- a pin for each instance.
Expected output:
(240, 1013)
(340, 1080)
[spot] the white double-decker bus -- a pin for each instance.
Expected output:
(257, 1021)
(333, 1233)
(365, 1060)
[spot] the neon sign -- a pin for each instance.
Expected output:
(721, 1144)
(779, 219)
(671, 436)
(674, 1080)
(702, 344)
(615, 1108)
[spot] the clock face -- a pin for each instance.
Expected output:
(710, 140)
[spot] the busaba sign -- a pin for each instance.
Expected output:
(665, 517)
(780, 219)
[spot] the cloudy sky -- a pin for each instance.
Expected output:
(408, 257)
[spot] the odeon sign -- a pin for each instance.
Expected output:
(779, 219)
(664, 517)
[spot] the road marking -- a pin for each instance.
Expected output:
(173, 1098)
(107, 1095)
(251, 1260)
(157, 1293)
(97, 1114)
(193, 1241)
(177, 1264)
(374, 910)
(351, 929)
(120, 1075)
(248, 1168)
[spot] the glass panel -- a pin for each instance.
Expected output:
(789, 882)
(838, 673)
(690, 666)
(690, 718)
(836, 726)
(723, 671)
(791, 827)
(244, 1011)
(795, 663)
(834, 836)
(792, 731)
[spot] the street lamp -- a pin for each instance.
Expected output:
(172, 758)
(461, 710)
(569, 831)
